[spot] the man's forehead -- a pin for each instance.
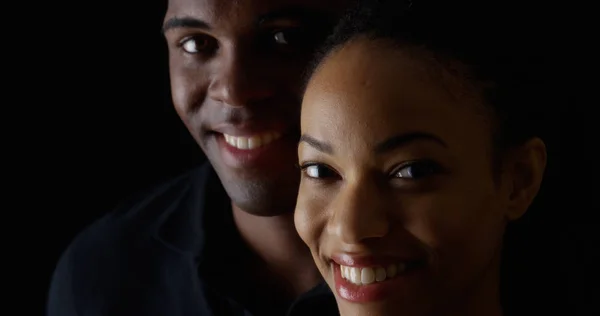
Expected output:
(214, 10)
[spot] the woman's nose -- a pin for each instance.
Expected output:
(359, 213)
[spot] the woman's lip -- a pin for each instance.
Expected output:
(401, 285)
(363, 261)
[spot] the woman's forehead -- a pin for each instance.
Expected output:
(359, 93)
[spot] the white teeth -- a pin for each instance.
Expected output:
(355, 275)
(345, 272)
(368, 275)
(242, 142)
(380, 274)
(252, 142)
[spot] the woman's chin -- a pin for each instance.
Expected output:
(389, 306)
(380, 308)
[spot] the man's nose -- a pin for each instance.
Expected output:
(359, 213)
(239, 80)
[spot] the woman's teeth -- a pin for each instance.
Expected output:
(364, 276)
(252, 142)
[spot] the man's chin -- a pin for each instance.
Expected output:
(268, 188)
(255, 194)
(260, 200)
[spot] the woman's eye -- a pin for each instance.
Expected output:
(318, 171)
(417, 170)
(196, 44)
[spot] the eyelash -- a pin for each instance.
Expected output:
(305, 169)
(432, 169)
(211, 44)
(269, 39)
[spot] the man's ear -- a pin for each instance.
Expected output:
(525, 166)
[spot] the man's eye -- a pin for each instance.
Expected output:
(417, 170)
(197, 44)
(318, 171)
(292, 37)
(280, 37)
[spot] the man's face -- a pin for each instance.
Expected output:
(236, 69)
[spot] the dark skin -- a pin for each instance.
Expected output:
(235, 69)
(397, 163)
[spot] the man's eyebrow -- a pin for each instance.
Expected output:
(297, 13)
(317, 144)
(177, 22)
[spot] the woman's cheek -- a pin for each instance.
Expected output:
(310, 216)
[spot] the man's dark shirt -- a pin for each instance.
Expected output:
(164, 253)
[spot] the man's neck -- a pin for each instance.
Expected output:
(275, 241)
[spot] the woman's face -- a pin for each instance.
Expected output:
(398, 200)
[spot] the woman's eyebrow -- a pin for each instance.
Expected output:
(317, 144)
(401, 140)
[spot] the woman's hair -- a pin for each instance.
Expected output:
(488, 40)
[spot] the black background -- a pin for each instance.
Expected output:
(95, 124)
(88, 122)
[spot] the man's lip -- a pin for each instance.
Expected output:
(363, 261)
(275, 156)
(247, 131)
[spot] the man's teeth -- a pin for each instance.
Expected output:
(252, 142)
(363, 276)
